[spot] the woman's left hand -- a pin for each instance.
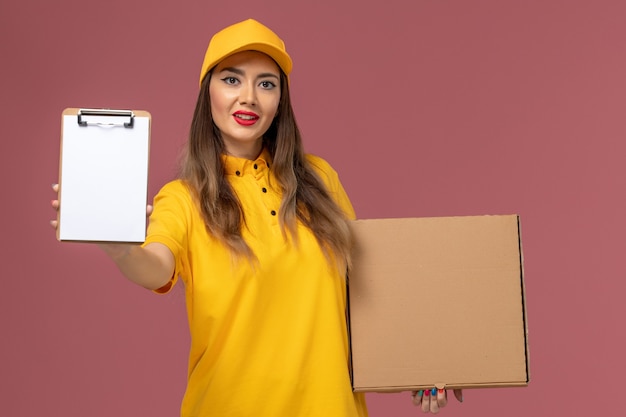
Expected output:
(432, 400)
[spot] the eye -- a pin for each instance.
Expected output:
(267, 85)
(230, 80)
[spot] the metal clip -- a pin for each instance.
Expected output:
(101, 117)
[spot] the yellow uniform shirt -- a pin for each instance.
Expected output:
(268, 340)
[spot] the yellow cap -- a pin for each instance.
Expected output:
(248, 35)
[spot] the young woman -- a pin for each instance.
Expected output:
(258, 233)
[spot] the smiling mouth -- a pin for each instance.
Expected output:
(246, 117)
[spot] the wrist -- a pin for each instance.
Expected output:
(117, 251)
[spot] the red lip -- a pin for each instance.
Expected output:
(245, 118)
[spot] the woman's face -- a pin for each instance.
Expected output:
(245, 92)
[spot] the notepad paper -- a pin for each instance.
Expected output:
(103, 180)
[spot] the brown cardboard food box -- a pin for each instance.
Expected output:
(437, 302)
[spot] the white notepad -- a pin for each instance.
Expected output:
(103, 179)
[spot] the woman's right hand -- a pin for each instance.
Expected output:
(55, 205)
(112, 249)
(151, 266)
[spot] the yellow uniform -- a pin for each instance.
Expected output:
(268, 340)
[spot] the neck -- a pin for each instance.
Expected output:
(247, 151)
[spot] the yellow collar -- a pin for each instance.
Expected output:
(242, 166)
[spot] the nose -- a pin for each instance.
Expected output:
(247, 94)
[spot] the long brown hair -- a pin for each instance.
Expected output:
(305, 198)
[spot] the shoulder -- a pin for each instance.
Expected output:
(318, 162)
(175, 187)
(176, 192)
(323, 169)
(329, 176)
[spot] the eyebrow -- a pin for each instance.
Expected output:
(242, 73)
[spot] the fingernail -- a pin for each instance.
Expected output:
(433, 391)
(426, 393)
(440, 390)
(419, 393)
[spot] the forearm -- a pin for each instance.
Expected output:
(151, 266)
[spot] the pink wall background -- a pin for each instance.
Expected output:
(425, 107)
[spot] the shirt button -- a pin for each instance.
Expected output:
(237, 173)
(273, 212)
(264, 189)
